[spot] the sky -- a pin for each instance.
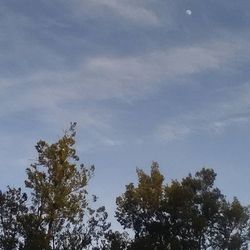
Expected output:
(145, 80)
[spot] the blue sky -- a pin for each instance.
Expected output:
(144, 80)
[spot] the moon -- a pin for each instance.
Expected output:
(189, 12)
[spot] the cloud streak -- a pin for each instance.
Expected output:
(104, 78)
(214, 118)
(125, 78)
(129, 10)
(44, 83)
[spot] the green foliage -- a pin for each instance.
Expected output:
(33, 234)
(63, 216)
(233, 227)
(138, 207)
(190, 214)
(116, 241)
(12, 208)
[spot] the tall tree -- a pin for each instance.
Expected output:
(59, 195)
(139, 209)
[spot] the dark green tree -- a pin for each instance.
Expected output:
(232, 230)
(87, 235)
(33, 234)
(186, 214)
(116, 241)
(12, 209)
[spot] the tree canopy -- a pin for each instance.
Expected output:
(58, 213)
(186, 214)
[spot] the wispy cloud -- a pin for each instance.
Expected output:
(130, 10)
(103, 78)
(220, 126)
(42, 81)
(128, 76)
(170, 131)
(215, 117)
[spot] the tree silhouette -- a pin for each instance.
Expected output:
(186, 214)
(12, 209)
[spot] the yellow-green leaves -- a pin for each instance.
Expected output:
(58, 184)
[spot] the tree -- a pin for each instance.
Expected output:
(33, 234)
(139, 209)
(186, 214)
(59, 195)
(116, 241)
(194, 205)
(12, 209)
(232, 230)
